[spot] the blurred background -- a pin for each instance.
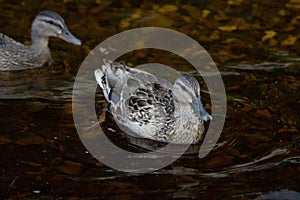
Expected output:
(255, 45)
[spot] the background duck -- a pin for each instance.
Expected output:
(151, 107)
(16, 56)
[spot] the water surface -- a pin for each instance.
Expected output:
(257, 155)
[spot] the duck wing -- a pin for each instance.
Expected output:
(140, 102)
(6, 41)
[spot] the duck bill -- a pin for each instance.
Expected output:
(67, 36)
(202, 113)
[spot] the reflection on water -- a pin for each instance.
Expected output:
(282, 194)
(36, 84)
(257, 156)
(260, 139)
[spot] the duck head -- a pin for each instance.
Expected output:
(188, 90)
(50, 24)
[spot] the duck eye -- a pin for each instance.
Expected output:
(50, 22)
(54, 23)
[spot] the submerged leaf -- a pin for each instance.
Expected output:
(227, 28)
(289, 41)
(268, 35)
(168, 8)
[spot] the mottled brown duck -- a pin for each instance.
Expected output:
(148, 106)
(17, 56)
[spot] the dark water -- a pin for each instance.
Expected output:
(257, 155)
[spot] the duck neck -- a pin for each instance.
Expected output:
(37, 40)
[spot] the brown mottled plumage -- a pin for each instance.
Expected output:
(16, 56)
(152, 107)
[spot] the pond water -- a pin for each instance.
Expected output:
(257, 155)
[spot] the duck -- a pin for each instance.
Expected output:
(144, 105)
(17, 56)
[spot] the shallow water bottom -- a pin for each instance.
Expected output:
(256, 157)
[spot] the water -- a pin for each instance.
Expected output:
(256, 157)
